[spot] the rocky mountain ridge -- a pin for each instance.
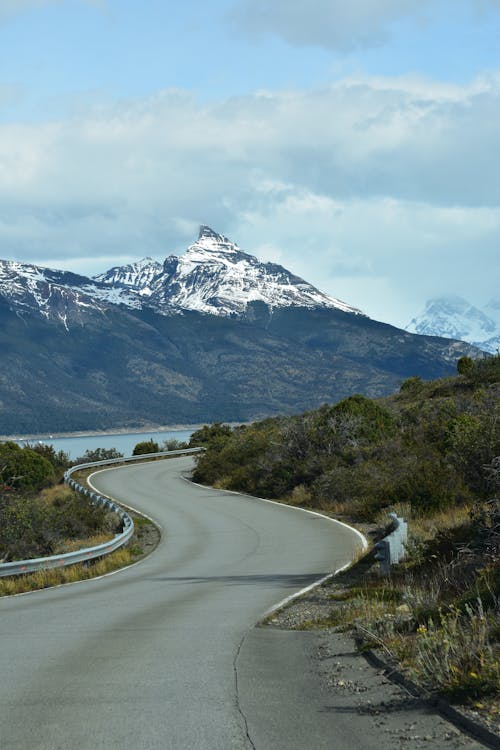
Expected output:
(213, 277)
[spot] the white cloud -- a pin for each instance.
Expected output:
(336, 24)
(325, 23)
(381, 192)
(384, 255)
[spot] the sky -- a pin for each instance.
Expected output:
(356, 143)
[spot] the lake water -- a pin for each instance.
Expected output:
(76, 446)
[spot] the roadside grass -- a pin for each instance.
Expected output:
(72, 545)
(141, 521)
(443, 630)
(56, 576)
(145, 539)
(456, 653)
(437, 617)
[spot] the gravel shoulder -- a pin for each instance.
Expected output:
(402, 716)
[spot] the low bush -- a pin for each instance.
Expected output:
(98, 454)
(455, 654)
(146, 446)
(172, 444)
(36, 525)
(23, 468)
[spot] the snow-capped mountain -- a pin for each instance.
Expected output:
(456, 318)
(138, 276)
(57, 295)
(214, 276)
(187, 341)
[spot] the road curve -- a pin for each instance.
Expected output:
(163, 654)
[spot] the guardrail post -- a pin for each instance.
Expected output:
(383, 555)
(390, 550)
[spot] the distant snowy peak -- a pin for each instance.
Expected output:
(454, 317)
(138, 276)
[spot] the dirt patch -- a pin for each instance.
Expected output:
(146, 536)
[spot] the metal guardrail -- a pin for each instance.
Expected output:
(20, 567)
(390, 550)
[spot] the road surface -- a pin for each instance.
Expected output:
(164, 654)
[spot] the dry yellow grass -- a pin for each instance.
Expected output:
(424, 528)
(72, 545)
(55, 577)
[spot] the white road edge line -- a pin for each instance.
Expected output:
(119, 502)
(279, 605)
(315, 584)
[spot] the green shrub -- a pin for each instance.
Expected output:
(487, 370)
(146, 446)
(429, 486)
(58, 459)
(98, 454)
(24, 469)
(208, 434)
(465, 366)
(474, 441)
(412, 386)
(375, 423)
(32, 526)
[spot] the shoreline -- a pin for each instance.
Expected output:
(101, 433)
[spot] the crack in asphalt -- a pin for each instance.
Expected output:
(237, 697)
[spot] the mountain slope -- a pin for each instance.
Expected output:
(212, 335)
(138, 276)
(129, 367)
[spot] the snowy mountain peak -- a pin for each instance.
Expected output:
(213, 277)
(208, 232)
(455, 317)
(46, 292)
(213, 242)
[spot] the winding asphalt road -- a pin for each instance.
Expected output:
(164, 654)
